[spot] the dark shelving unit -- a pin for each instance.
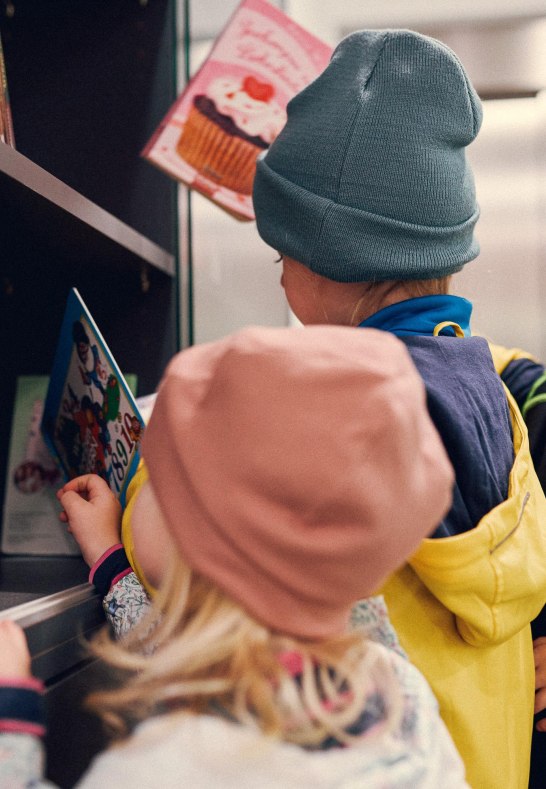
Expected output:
(89, 82)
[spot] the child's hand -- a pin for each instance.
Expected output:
(539, 651)
(93, 514)
(14, 654)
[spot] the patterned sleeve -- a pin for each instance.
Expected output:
(21, 762)
(125, 604)
(125, 601)
(22, 726)
(370, 615)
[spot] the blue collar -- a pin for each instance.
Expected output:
(421, 315)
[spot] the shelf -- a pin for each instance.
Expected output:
(59, 218)
(79, 207)
(55, 625)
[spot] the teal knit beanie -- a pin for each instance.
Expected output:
(368, 180)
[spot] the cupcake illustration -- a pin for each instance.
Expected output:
(227, 127)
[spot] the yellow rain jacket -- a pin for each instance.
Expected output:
(462, 607)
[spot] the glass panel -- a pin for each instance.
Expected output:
(234, 281)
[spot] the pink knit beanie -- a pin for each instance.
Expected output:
(296, 468)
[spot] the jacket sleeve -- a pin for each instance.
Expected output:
(525, 378)
(125, 604)
(125, 600)
(22, 726)
(493, 577)
(521, 372)
(503, 356)
(22, 762)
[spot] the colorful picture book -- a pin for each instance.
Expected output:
(6, 123)
(91, 421)
(235, 105)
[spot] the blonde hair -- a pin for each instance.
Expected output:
(426, 287)
(377, 295)
(200, 652)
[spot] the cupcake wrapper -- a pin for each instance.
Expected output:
(224, 159)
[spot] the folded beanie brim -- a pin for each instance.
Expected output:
(348, 244)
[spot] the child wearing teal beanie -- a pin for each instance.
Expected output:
(369, 199)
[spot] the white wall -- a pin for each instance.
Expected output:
(236, 281)
(332, 20)
(507, 282)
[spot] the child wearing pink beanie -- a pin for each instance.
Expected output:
(288, 473)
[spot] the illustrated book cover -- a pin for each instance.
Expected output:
(235, 105)
(91, 420)
(6, 122)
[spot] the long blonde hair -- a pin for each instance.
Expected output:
(200, 652)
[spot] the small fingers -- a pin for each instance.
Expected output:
(13, 631)
(72, 503)
(14, 655)
(88, 486)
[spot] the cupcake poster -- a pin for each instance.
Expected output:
(235, 105)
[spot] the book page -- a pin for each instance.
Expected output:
(31, 523)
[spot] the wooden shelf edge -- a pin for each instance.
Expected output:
(34, 178)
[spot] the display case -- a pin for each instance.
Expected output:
(88, 83)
